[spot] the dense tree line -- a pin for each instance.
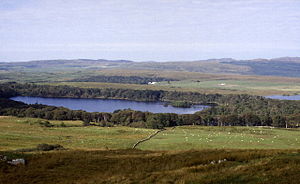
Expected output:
(231, 110)
(226, 104)
(125, 117)
(122, 79)
(133, 118)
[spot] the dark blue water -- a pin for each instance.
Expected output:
(107, 105)
(281, 97)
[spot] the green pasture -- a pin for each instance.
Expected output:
(19, 133)
(201, 137)
(188, 81)
(246, 86)
(237, 86)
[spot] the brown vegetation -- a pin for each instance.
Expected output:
(135, 166)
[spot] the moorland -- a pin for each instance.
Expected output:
(243, 137)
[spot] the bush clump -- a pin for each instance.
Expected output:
(49, 147)
(44, 123)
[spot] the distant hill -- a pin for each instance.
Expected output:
(287, 66)
(284, 66)
(62, 64)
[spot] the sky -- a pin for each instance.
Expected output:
(148, 30)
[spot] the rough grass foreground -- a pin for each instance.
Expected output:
(136, 166)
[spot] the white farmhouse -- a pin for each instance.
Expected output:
(151, 83)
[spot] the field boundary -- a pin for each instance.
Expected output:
(147, 138)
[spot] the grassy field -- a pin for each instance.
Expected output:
(240, 86)
(188, 154)
(17, 133)
(199, 137)
(197, 82)
(208, 87)
(188, 81)
(183, 75)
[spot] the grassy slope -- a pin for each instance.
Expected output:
(197, 137)
(192, 66)
(239, 86)
(91, 164)
(189, 81)
(278, 66)
(16, 133)
(259, 85)
(209, 87)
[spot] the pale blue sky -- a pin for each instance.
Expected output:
(143, 30)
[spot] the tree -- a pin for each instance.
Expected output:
(228, 120)
(266, 120)
(251, 119)
(279, 121)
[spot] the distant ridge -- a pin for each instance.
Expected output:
(69, 60)
(283, 66)
(280, 59)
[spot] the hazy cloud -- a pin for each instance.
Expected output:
(148, 30)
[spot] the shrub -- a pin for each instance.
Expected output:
(139, 124)
(62, 124)
(49, 147)
(44, 123)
